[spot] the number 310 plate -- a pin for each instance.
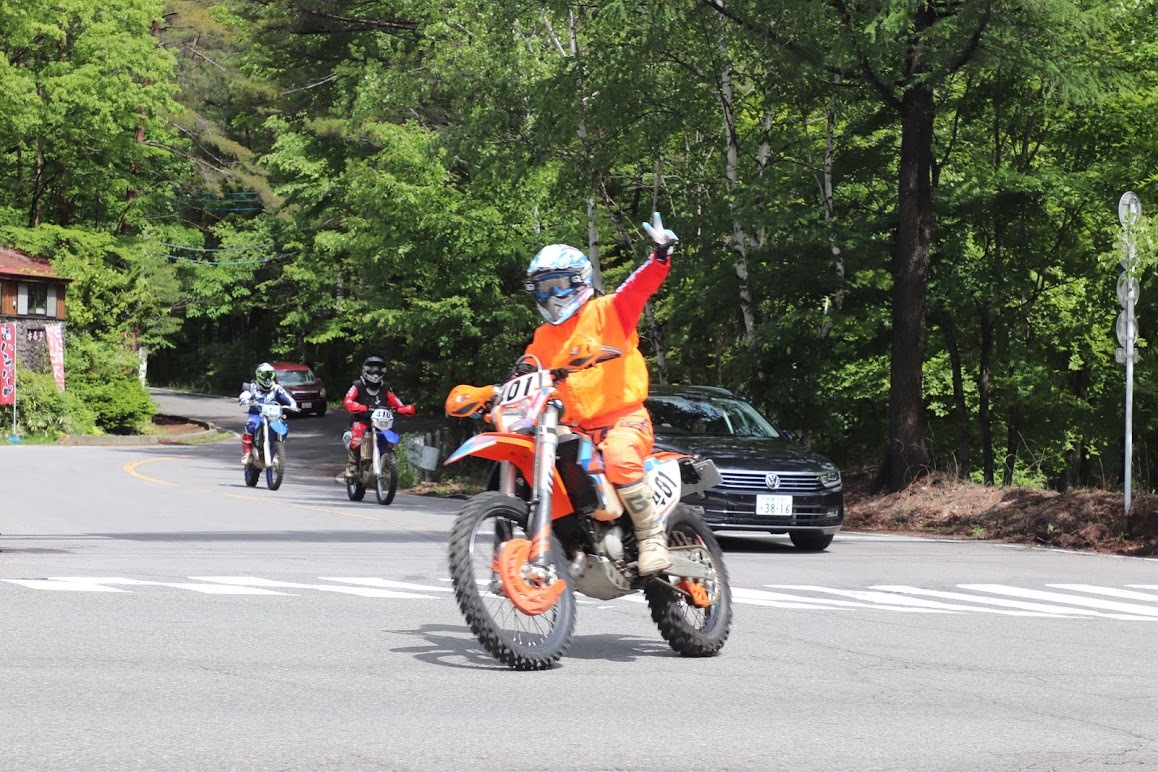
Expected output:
(774, 505)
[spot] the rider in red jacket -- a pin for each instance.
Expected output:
(367, 393)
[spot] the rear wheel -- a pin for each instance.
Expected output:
(693, 630)
(252, 474)
(386, 484)
(810, 541)
(489, 522)
(276, 470)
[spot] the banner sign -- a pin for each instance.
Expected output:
(7, 364)
(55, 333)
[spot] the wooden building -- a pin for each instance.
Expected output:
(31, 296)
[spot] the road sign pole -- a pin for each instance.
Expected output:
(1129, 392)
(1129, 213)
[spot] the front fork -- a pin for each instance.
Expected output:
(265, 442)
(546, 445)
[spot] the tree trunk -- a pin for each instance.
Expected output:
(960, 409)
(1012, 440)
(984, 415)
(908, 453)
(833, 307)
(732, 174)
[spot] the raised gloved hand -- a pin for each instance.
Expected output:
(406, 410)
(665, 240)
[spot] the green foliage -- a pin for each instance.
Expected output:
(103, 375)
(45, 412)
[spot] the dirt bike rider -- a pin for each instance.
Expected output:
(265, 390)
(367, 393)
(606, 401)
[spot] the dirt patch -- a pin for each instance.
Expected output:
(447, 490)
(940, 505)
(165, 424)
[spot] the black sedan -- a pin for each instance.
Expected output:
(770, 483)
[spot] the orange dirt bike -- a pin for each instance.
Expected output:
(518, 554)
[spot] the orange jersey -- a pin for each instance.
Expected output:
(597, 395)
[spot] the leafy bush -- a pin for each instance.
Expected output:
(103, 375)
(44, 411)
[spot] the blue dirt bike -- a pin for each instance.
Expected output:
(378, 461)
(268, 451)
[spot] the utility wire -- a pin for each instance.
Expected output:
(195, 261)
(224, 249)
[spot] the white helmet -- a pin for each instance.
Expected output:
(559, 278)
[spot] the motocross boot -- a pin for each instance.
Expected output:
(352, 462)
(246, 449)
(649, 534)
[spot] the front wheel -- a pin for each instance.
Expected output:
(275, 472)
(355, 490)
(696, 618)
(489, 522)
(386, 483)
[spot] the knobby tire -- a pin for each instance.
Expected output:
(689, 630)
(486, 611)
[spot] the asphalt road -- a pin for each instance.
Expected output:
(158, 614)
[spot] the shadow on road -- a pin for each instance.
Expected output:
(329, 537)
(754, 545)
(444, 644)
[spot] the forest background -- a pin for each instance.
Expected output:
(898, 218)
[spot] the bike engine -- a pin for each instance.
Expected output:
(601, 576)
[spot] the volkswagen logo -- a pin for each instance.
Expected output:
(772, 480)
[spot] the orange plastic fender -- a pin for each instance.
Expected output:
(519, 449)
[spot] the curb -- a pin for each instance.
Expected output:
(116, 440)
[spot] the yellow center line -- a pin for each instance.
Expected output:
(131, 469)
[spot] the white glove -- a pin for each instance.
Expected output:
(665, 240)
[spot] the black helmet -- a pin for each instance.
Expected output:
(373, 368)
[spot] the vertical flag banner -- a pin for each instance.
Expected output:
(55, 334)
(7, 364)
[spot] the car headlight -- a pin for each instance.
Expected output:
(830, 479)
(322, 392)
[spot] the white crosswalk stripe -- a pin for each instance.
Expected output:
(1058, 601)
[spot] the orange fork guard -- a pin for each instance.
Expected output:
(531, 599)
(696, 593)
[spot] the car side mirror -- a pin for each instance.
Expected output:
(790, 435)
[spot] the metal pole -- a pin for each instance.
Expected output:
(1129, 383)
(1129, 213)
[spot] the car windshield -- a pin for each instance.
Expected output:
(296, 378)
(712, 416)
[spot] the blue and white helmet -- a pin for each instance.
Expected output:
(559, 278)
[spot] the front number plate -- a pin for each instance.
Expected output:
(306, 405)
(774, 505)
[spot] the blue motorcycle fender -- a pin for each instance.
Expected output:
(280, 429)
(392, 436)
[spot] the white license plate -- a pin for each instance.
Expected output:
(773, 505)
(305, 405)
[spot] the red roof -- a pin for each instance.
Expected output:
(13, 262)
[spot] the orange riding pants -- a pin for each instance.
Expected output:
(624, 444)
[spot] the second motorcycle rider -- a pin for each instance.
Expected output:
(367, 393)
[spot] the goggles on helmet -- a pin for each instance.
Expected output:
(558, 284)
